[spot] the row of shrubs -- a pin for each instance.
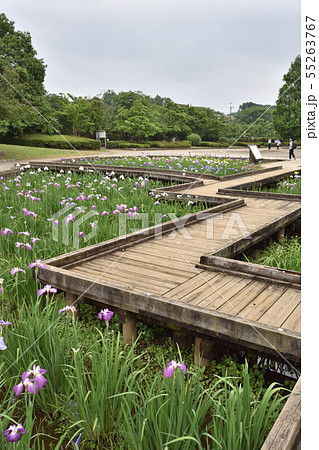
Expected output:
(148, 144)
(82, 143)
(56, 141)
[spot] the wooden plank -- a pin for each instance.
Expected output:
(224, 294)
(189, 285)
(164, 254)
(285, 433)
(178, 245)
(237, 246)
(238, 301)
(228, 265)
(255, 309)
(127, 272)
(182, 268)
(203, 291)
(128, 281)
(145, 267)
(281, 310)
(293, 322)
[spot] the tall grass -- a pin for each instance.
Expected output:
(167, 413)
(284, 255)
(179, 413)
(241, 421)
(100, 386)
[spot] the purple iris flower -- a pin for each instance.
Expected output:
(67, 308)
(2, 344)
(26, 233)
(28, 384)
(37, 372)
(3, 323)
(37, 263)
(76, 443)
(105, 314)
(12, 433)
(70, 218)
(15, 270)
(171, 366)
(6, 231)
(46, 290)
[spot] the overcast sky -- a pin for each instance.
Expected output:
(198, 52)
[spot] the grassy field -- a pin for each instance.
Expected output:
(19, 152)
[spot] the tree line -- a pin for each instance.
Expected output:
(25, 106)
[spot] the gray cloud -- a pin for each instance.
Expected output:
(202, 52)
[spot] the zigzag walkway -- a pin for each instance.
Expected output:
(173, 277)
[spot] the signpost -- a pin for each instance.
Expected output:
(101, 134)
(254, 154)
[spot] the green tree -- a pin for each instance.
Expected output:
(287, 115)
(21, 72)
(205, 122)
(138, 122)
(251, 114)
(83, 116)
(175, 118)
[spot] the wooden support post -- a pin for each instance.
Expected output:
(129, 329)
(71, 300)
(280, 235)
(254, 253)
(183, 340)
(203, 351)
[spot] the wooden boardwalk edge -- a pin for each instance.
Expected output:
(285, 434)
(207, 322)
(242, 268)
(243, 243)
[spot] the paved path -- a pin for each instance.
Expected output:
(236, 152)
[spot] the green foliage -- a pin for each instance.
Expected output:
(25, 72)
(249, 114)
(139, 121)
(57, 141)
(167, 413)
(287, 115)
(241, 421)
(147, 144)
(100, 386)
(194, 139)
(284, 255)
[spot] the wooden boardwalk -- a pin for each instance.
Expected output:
(170, 277)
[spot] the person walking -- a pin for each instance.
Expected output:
(277, 143)
(292, 147)
(269, 144)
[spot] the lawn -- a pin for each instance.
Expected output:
(19, 152)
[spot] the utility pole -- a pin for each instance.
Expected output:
(230, 109)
